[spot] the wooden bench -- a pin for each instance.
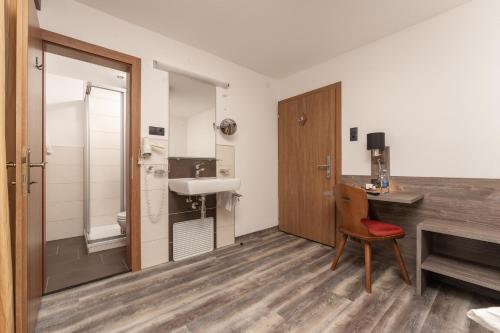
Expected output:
(475, 273)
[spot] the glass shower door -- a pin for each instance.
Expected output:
(104, 166)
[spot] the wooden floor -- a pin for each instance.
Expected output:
(274, 282)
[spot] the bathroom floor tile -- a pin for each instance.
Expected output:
(68, 263)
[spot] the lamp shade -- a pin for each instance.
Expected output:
(375, 140)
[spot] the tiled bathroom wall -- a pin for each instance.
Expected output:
(64, 192)
(64, 139)
(154, 220)
(225, 155)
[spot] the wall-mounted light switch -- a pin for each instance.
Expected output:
(354, 134)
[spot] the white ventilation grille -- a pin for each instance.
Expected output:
(192, 238)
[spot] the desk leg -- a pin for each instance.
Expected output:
(423, 250)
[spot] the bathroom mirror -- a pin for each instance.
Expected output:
(191, 117)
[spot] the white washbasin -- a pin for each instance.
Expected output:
(204, 185)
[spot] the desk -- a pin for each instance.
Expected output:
(397, 197)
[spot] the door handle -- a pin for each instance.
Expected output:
(38, 165)
(327, 166)
(32, 165)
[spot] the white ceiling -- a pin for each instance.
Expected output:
(275, 37)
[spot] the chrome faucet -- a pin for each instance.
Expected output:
(198, 169)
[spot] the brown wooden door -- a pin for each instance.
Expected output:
(24, 115)
(307, 136)
(36, 142)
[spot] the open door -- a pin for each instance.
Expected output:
(25, 149)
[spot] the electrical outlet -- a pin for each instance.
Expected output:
(354, 134)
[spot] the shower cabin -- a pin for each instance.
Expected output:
(104, 168)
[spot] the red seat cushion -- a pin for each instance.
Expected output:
(382, 229)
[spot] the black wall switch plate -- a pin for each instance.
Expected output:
(354, 134)
(156, 130)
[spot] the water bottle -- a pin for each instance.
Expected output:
(384, 181)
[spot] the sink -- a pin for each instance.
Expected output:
(204, 185)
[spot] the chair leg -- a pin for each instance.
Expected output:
(340, 249)
(399, 258)
(368, 267)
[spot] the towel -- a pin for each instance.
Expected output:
(225, 200)
(48, 146)
(489, 318)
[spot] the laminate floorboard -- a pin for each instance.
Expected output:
(272, 282)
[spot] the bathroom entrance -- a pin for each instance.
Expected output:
(87, 183)
(85, 147)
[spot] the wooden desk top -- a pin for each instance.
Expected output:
(397, 197)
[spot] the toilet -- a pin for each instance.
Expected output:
(121, 218)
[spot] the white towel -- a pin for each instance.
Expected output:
(489, 318)
(225, 200)
(48, 146)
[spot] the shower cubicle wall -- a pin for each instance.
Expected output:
(104, 167)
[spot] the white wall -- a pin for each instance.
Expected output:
(65, 114)
(434, 90)
(251, 101)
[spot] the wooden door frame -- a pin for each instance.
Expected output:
(81, 50)
(338, 137)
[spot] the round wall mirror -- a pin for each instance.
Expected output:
(228, 126)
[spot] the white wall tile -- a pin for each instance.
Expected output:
(64, 229)
(65, 155)
(58, 211)
(154, 252)
(102, 139)
(155, 197)
(104, 123)
(64, 192)
(105, 156)
(225, 219)
(153, 182)
(154, 230)
(103, 219)
(225, 235)
(107, 206)
(105, 173)
(58, 174)
(103, 190)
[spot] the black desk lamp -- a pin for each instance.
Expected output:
(376, 143)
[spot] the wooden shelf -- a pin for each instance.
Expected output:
(481, 232)
(481, 275)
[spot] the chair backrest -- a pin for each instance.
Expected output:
(352, 204)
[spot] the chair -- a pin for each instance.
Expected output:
(352, 204)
